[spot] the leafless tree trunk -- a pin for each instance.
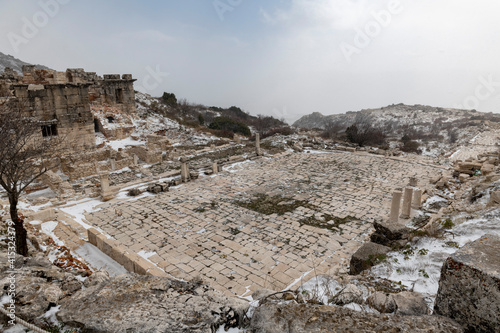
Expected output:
(24, 156)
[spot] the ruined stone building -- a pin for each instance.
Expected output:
(64, 101)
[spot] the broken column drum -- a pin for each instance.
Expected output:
(417, 199)
(406, 210)
(184, 170)
(105, 189)
(396, 203)
(257, 144)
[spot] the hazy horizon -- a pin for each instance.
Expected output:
(284, 59)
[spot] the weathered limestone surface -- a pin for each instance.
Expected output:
(132, 303)
(38, 284)
(469, 288)
(302, 318)
(198, 228)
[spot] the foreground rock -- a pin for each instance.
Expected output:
(134, 303)
(469, 288)
(404, 303)
(39, 285)
(298, 318)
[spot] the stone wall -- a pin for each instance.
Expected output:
(63, 110)
(147, 155)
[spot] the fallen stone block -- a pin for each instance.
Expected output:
(487, 168)
(494, 198)
(463, 177)
(297, 148)
(134, 192)
(366, 256)
(470, 165)
(388, 233)
(469, 287)
(164, 187)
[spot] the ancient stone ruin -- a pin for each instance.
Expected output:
(62, 101)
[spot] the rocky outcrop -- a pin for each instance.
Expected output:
(313, 120)
(39, 285)
(127, 303)
(133, 303)
(469, 288)
(301, 318)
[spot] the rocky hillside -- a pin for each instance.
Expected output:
(14, 63)
(396, 115)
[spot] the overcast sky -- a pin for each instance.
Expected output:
(274, 57)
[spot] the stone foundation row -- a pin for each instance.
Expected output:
(128, 259)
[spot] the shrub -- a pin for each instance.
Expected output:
(169, 99)
(227, 124)
(365, 135)
(411, 147)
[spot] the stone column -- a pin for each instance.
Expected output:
(113, 164)
(406, 210)
(396, 203)
(136, 160)
(184, 170)
(417, 199)
(257, 144)
(215, 168)
(105, 189)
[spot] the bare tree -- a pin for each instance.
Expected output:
(332, 129)
(25, 155)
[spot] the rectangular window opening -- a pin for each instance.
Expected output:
(119, 96)
(49, 130)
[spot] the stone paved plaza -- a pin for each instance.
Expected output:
(198, 229)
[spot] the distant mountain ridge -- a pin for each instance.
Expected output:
(14, 63)
(399, 113)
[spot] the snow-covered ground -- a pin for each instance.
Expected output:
(419, 267)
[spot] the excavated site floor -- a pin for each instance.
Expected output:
(267, 223)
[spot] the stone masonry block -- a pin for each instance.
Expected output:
(141, 266)
(117, 253)
(155, 271)
(107, 246)
(469, 287)
(129, 260)
(101, 239)
(92, 234)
